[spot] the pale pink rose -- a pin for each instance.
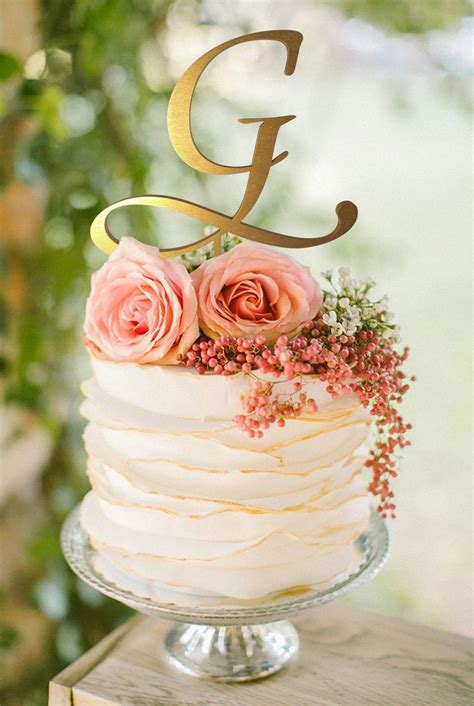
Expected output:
(254, 290)
(141, 308)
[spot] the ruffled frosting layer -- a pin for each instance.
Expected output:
(183, 503)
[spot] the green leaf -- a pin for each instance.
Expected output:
(44, 546)
(9, 637)
(47, 106)
(9, 66)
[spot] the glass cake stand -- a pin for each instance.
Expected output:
(229, 643)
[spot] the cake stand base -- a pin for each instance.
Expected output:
(229, 643)
(231, 653)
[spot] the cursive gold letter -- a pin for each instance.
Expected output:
(179, 127)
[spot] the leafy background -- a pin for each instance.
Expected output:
(381, 94)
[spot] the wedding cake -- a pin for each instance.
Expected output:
(227, 413)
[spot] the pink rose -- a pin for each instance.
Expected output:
(141, 307)
(254, 290)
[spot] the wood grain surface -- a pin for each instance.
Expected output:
(347, 657)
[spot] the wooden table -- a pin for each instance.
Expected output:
(347, 657)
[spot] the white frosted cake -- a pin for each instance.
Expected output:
(181, 503)
(229, 468)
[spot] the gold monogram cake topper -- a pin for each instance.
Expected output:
(179, 128)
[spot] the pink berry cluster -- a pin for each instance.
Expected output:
(263, 407)
(365, 363)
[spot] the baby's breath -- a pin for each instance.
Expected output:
(349, 308)
(195, 258)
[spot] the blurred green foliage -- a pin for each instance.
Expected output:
(67, 135)
(72, 120)
(407, 15)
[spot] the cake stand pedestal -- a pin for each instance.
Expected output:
(234, 643)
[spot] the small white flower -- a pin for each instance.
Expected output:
(344, 272)
(382, 305)
(327, 274)
(330, 303)
(344, 302)
(330, 319)
(353, 311)
(349, 289)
